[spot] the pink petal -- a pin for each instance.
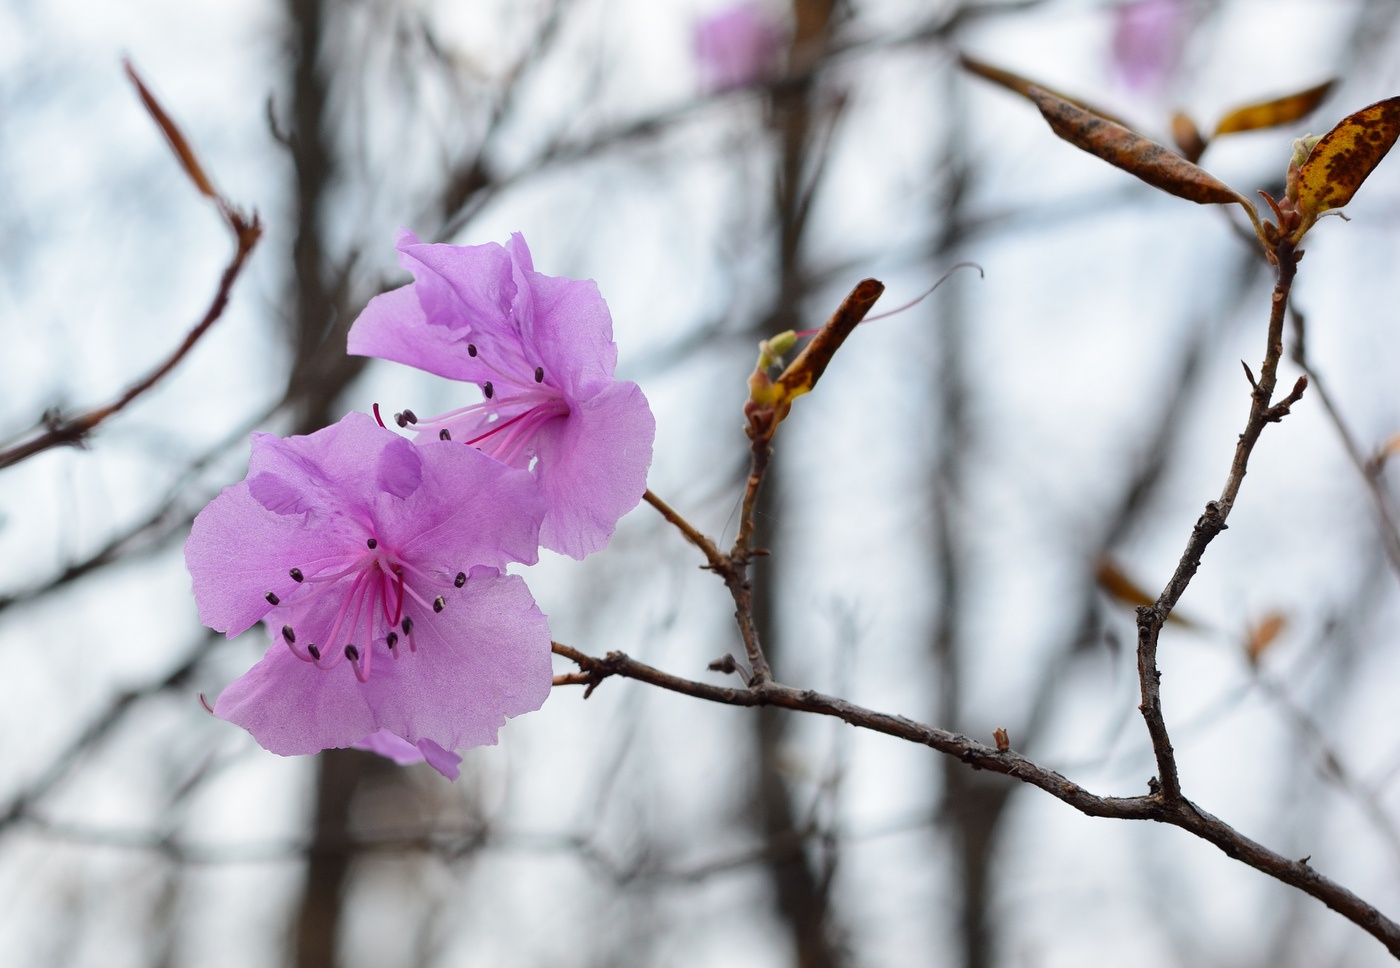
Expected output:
(593, 468)
(486, 657)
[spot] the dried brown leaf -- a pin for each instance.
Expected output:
(1160, 167)
(1117, 585)
(1187, 137)
(803, 373)
(1274, 113)
(1262, 635)
(1022, 86)
(1391, 448)
(1345, 156)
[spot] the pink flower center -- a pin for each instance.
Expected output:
(379, 594)
(519, 402)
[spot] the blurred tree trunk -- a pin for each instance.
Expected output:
(320, 371)
(972, 803)
(802, 891)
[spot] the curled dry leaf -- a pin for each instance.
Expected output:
(1022, 86)
(803, 373)
(1003, 739)
(1262, 635)
(1159, 166)
(1344, 157)
(1274, 113)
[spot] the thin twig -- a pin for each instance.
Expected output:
(713, 555)
(246, 229)
(1262, 411)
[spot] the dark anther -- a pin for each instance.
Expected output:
(471, 349)
(488, 389)
(409, 416)
(439, 604)
(461, 579)
(393, 639)
(352, 653)
(313, 650)
(401, 420)
(407, 625)
(444, 435)
(297, 576)
(539, 374)
(272, 599)
(372, 544)
(288, 634)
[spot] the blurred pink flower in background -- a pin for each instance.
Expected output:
(737, 46)
(1148, 37)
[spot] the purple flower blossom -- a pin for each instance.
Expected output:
(541, 349)
(375, 564)
(1147, 40)
(738, 46)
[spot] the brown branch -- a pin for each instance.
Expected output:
(1176, 811)
(713, 555)
(246, 230)
(1262, 411)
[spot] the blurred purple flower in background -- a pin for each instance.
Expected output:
(541, 349)
(359, 548)
(738, 46)
(1148, 36)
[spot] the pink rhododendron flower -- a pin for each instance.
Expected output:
(402, 752)
(1147, 39)
(375, 563)
(738, 46)
(541, 349)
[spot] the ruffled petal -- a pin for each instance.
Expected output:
(337, 470)
(469, 511)
(458, 286)
(390, 746)
(485, 658)
(593, 468)
(570, 333)
(238, 551)
(402, 752)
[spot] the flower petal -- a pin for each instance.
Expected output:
(402, 752)
(394, 327)
(486, 657)
(237, 553)
(593, 468)
(470, 510)
(458, 286)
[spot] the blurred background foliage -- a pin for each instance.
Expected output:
(941, 511)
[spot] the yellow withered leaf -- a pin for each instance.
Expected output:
(1159, 166)
(1345, 156)
(1274, 113)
